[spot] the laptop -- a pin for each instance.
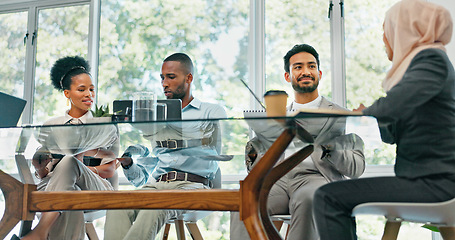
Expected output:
(174, 108)
(12, 108)
(122, 110)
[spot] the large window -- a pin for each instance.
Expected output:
(61, 32)
(137, 35)
(12, 56)
(366, 60)
(36, 34)
(295, 22)
(366, 66)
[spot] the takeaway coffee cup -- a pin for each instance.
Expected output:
(144, 106)
(275, 103)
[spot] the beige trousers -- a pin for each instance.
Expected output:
(71, 174)
(143, 224)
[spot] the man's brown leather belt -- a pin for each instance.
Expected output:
(175, 144)
(183, 176)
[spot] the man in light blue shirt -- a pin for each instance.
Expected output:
(181, 154)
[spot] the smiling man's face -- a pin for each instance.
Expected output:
(304, 74)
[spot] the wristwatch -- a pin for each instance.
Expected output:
(128, 166)
(127, 154)
(38, 176)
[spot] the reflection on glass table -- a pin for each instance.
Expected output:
(163, 138)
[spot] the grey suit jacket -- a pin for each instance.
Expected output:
(345, 158)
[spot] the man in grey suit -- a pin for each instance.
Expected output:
(337, 155)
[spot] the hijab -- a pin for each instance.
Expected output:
(411, 26)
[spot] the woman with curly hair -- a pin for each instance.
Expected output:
(71, 76)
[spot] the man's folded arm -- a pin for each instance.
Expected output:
(345, 153)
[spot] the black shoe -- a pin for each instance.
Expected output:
(15, 237)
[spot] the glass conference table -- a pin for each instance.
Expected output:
(22, 200)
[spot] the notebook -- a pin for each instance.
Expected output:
(11, 110)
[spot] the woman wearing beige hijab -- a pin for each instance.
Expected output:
(418, 114)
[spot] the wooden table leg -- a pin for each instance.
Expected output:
(251, 187)
(16, 199)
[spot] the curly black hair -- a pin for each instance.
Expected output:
(65, 68)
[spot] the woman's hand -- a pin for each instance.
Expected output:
(39, 161)
(360, 108)
(105, 171)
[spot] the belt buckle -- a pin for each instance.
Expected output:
(172, 141)
(175, 176)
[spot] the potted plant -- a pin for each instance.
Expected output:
(101, 113)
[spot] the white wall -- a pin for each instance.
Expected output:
(450, 5)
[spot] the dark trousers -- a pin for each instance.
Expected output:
(333, 203)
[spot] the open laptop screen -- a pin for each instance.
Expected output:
(174, 109)
(11, 110)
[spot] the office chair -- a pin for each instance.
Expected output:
(278, 221)
(440, 215)
(190, 219)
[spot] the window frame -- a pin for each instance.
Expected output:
(32, 7)
(256, 58)
(256, 54)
